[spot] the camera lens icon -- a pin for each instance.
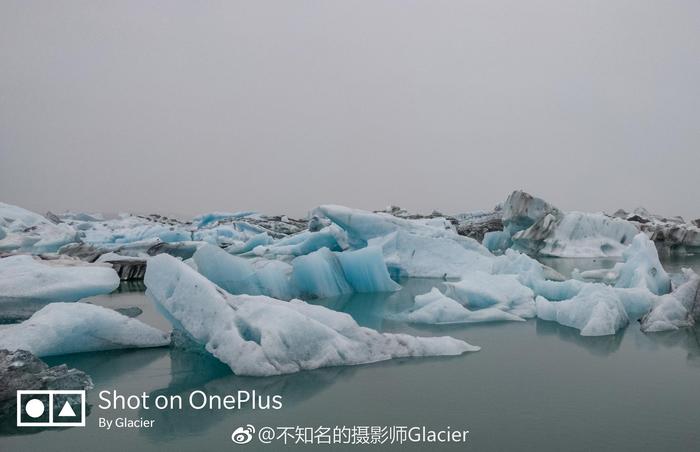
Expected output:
(34, 408)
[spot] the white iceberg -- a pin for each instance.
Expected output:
(62, 328)
(331, 237)
(642, 267)
(23, 230)
(362, 226)
(478, 290)
(678, 309)
(24, 277)
(531, 225)
(258, 335)
(411, 255)
(597, 310)
(436, 308)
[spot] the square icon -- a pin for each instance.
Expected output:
(51, 408)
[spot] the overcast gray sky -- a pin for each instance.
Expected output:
(192, 106)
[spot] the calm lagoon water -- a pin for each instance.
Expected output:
(535, 385)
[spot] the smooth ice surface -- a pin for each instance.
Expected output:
(412, 255)
(257, 335)
(436, 308)
(62, 328)
(26, 277)
(323, 273)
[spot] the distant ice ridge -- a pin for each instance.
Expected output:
(62, 328)
(260, 336)
(24, 277)
(534, 226)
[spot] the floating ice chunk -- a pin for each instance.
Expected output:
(521, 210)
(362, 226)
(331, 237)
(24, 230)
(221, 235)
(366, 271)
(23, 277)
(257, 335)
(62, 328)
(208, 219)
(536, 227)
(597, 310)
(320, 274)
(478, 290)
(497, 240)
(642, 267)
(435, 308)
(274, 278)
(678, 309)
(257, 240)
(580, 234)
(325, 274)
(411, 255)
(239, 275)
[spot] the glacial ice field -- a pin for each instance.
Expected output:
(390, 300)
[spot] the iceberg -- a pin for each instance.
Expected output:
(478, 290)
(320, 274)
(331, 237)
(260, 336)
(435, 308)
(411, 255)
(642, 267)
(597, 310)
(362, 226)
(324, 274)
(24, 277)
(238, 275)
(673, 233)
(26, 231)
(534, 226)
(680, 308)
(62, 328)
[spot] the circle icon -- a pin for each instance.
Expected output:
(34, 408)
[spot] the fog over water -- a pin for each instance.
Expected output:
(186, 107)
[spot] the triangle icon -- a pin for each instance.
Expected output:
(66, 411)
